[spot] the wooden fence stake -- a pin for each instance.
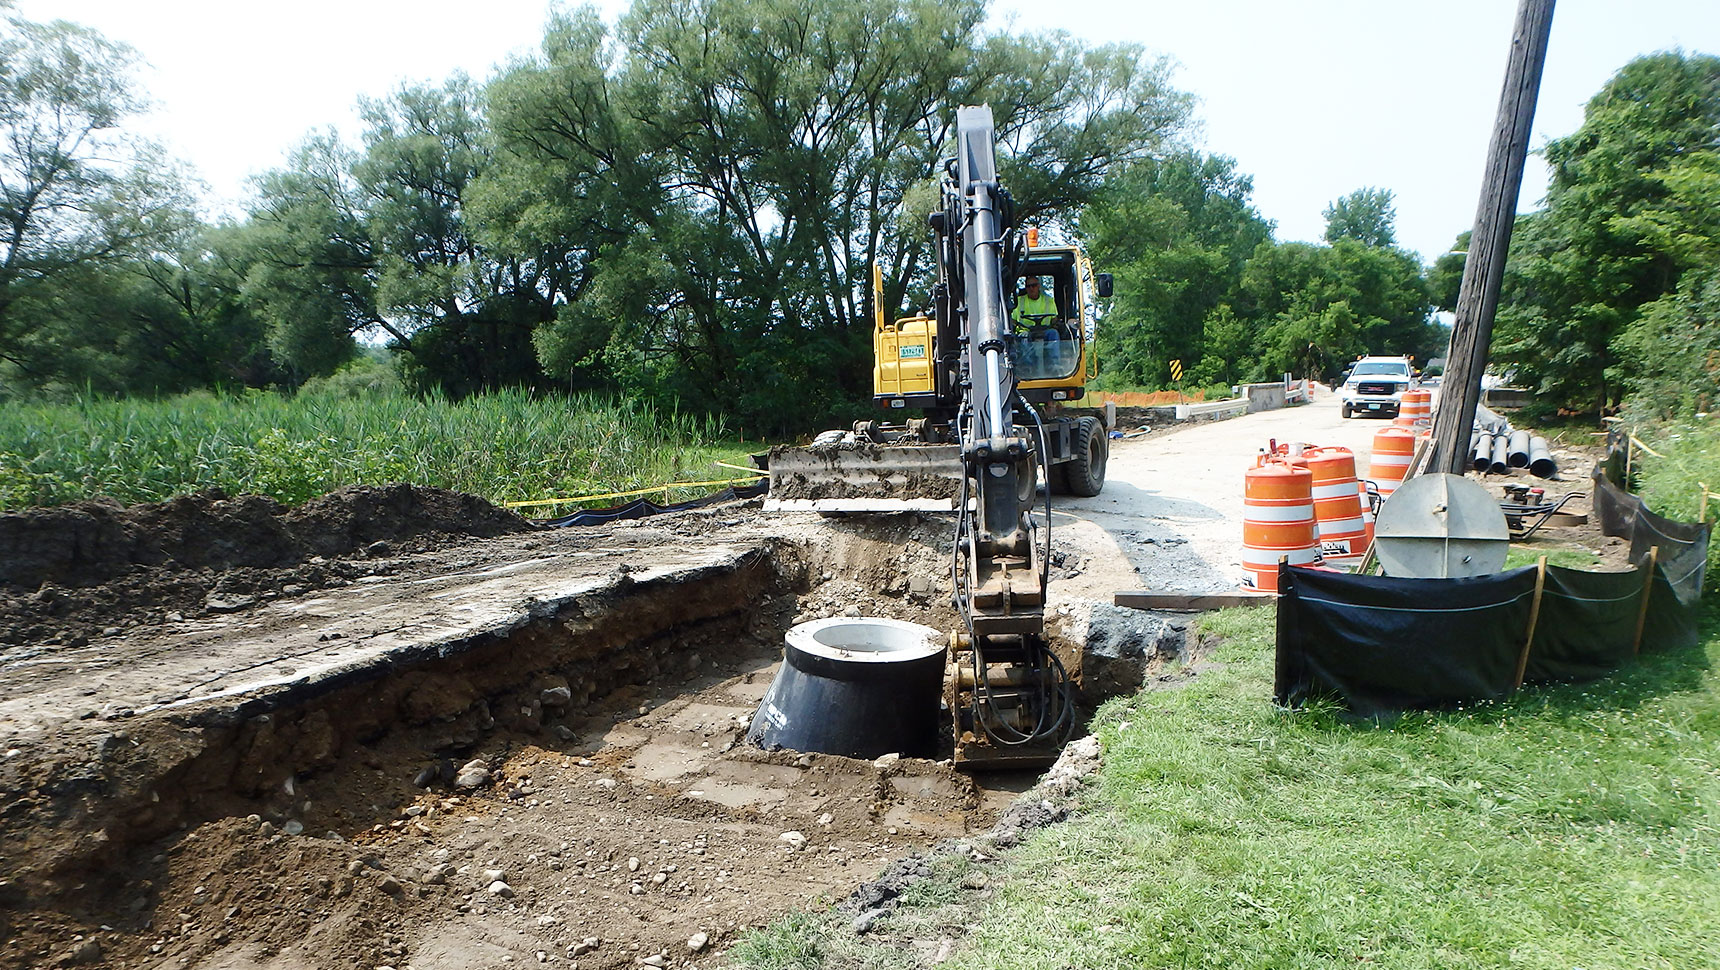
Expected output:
(1534, 618)
(1638, 442)
(1647, 587)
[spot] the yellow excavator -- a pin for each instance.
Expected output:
(986, 369)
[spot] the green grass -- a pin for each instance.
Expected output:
(1572, 827)
(796, 942)
(1573, 558)
(1576, 826)
(1672, 484)
(508, 446)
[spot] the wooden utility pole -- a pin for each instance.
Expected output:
(1484, 267)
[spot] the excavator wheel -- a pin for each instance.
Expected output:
(1057, 479)
(1084, 473)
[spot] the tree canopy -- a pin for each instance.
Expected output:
(76, 192)
(1366, 215)
(1200, 280)
(1629, 215)
(685, 206)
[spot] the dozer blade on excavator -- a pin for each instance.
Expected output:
(863, 476)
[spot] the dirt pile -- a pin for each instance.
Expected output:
(92, 542)
(68, 574)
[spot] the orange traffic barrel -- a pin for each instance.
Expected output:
(1277, 523)
(1415, 408)
(1338, 503)
(1394, 448)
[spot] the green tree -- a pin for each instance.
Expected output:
(470, 309)
(1445, 277)
(573, 186)
(1176, 234)
(714, 204)
(1199, 279)
(1618, 229)
(1672, 349)
(75, 191)
(311, 264)
(1365, 215)
(162, 324)
(1317, 307)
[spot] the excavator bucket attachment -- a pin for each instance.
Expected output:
(863, 476)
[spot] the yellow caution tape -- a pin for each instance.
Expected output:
(637, 491)
(740, 468)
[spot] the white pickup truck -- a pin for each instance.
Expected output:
(1375, 385)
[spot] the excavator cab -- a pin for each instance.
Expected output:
(1052, 358)
(1052, 352)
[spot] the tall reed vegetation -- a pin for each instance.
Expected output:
(506, 446)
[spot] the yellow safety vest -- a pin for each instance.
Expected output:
(1027, 307)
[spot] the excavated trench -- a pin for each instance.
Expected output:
(566, 786)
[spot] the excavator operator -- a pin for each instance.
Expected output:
(1037, 311)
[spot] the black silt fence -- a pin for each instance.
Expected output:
(1381, 644)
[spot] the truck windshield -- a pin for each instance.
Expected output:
(1380, 367)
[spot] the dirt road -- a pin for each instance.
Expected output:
(1170, 516)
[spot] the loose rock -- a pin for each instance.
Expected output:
(865, 921)
(473, 775)
(227, 602)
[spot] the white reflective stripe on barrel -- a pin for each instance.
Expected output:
(1257, 558)
(1277, 513)
(1342, 489)
(1340, 527)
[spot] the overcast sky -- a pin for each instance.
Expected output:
(1313, 98)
